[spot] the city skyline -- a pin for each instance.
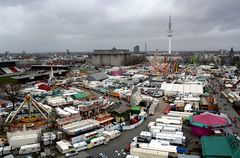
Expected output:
(57, 25)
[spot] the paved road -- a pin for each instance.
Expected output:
(224, 105)
(115, 148)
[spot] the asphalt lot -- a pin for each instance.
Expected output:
(225, 106)
(115, 148)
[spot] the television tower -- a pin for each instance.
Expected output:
(169, 34)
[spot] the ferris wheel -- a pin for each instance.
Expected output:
(162, 64)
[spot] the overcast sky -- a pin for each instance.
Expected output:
(84, 25)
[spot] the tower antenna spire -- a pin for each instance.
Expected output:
(169, 33)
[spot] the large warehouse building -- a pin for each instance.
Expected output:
(110, 57)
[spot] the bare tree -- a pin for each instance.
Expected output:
(12, 91)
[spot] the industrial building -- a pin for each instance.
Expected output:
(110, 57)
(97, 77)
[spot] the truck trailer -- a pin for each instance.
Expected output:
(148, 153)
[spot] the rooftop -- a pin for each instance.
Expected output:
(220, 146)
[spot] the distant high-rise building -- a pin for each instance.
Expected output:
(68, 52)
(7, 53)
(231, 53)
(136, 49)
(232, 58)
(23, 53)
(222, 51)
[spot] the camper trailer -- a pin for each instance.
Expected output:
(63, 146)
(97, 141)
(62, 113)
(80, 146)
(31, 148)
(111, 134)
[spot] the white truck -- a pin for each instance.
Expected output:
(171, 118)
(5, 150)
(184, 115)
(168, 121)
(173, 138)
(163, 129)
(177, 127)
(31, 148)
(148, 153)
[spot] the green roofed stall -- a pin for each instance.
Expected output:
(206, 94)
(81, 95)
(135, 109)
(220, 147)
(103, 90)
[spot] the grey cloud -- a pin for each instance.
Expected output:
(54, 25)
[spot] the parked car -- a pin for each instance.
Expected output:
(127, 148)
(72, 153)
(101, 155)
(157, 95)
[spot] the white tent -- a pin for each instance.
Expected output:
(170, 89)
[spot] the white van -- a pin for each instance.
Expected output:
(80, 146)
(1, 151)
(31, 148)
(7, 150)
(97, 141)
